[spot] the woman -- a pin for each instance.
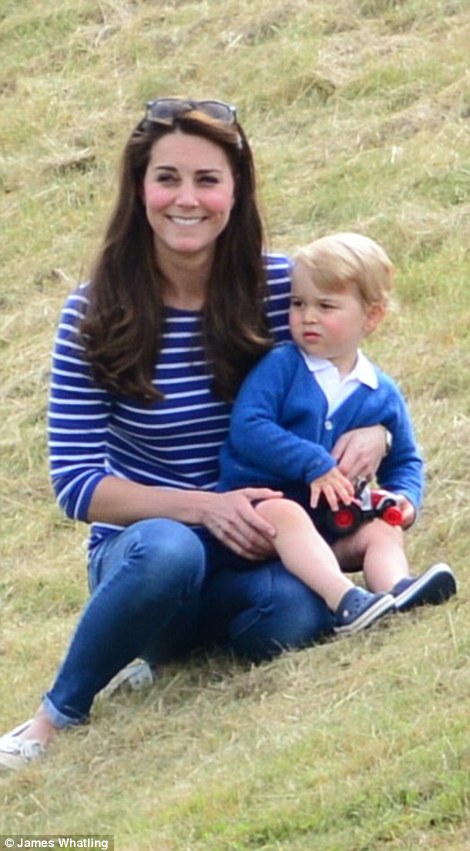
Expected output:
(148, 358)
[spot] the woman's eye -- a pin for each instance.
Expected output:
(208, 180)
(165, 178)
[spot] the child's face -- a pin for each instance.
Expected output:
(329, 325)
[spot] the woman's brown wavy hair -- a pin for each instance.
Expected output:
(122, 328)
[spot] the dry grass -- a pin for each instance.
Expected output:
(359, 117)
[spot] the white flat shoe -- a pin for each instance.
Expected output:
(134, 677)
(16, 753)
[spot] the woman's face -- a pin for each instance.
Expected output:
(188, 193)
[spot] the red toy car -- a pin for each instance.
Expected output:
(369, 503)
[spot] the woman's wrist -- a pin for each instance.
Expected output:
(192, 507)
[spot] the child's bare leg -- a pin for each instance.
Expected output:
(307, 555)
(303, 551)
(378, 549)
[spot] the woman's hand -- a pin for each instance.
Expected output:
(359, 452)
(232, 519)
(334, 486)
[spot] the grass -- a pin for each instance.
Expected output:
(359, 118)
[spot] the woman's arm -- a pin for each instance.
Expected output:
(230, 517)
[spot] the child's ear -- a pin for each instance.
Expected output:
(375, 312)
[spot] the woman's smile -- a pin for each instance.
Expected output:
(186, 222)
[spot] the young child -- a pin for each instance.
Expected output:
(291, 410)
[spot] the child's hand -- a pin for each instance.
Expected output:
(335, 488)
(407, 509)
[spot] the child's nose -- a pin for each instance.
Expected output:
(310, 314)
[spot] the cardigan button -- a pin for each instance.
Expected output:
(328, 425)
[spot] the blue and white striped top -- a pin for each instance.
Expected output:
(171, 443)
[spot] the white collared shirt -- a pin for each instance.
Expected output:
(335, 388)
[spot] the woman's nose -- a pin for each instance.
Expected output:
(187, 196)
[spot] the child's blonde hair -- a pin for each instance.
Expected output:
(342, 259)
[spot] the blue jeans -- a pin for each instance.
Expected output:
(152, 597)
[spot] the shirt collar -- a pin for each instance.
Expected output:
(363, 371)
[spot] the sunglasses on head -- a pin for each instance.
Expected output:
(166, 108)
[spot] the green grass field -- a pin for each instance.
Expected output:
(359, 116)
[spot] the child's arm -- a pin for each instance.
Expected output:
(276, 421)
(402, 470)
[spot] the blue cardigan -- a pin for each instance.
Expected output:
(281, 435)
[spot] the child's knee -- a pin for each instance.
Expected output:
(278, 511)
(380, 532)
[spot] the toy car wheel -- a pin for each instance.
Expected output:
(392, 515)
(345, 520)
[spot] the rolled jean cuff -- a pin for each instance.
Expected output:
(58, 718)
